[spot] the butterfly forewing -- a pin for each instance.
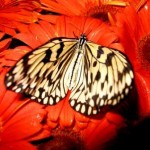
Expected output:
(96, 75)
(40, 73)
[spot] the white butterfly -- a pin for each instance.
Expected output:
(96, 75)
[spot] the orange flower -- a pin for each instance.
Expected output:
(134, 33)
(39, 34)
(15, 15)
(102, 9)
(20, 120)
(90, 132)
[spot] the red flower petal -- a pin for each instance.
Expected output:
(136, 28)
(23, 145)
(99, 132)
(143, 86)
(13, 12)
(21, 120)
(81, 121)
(36, 35)
(62, 108)
(99, 9)
(95, 130)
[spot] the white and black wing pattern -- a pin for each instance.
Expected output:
(107, 78)
(96, 75)
(40, 73)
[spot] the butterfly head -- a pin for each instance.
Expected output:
(82, 41)
(83, 36)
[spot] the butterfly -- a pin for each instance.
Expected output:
(95, 75)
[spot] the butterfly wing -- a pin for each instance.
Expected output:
(107, 78)
(40, 73)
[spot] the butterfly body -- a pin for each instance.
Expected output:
(96, 75)
(73, 73)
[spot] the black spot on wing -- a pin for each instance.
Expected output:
(95, 97)
(109, 59)
(120, 75)
(46, 59)
(110, 89)
(98, 75)
(94, 63)
(61, 48)
(105, 97)
(99, 52)
(91, 76)
(49, 77)
(102, 85)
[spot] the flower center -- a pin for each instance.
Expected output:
(144, 52)
(102, 12)
(62, 139)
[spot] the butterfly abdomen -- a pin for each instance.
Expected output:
(73, 73)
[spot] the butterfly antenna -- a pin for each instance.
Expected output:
(87, 32)
(82, 28)
(75, 35)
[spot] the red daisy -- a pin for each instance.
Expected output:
(134, 34)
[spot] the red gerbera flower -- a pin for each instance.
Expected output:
(134, 33)
(15, 15)
(65, 123)
(90, 132)
(98, 8)
(37, 34)
(20, 120)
